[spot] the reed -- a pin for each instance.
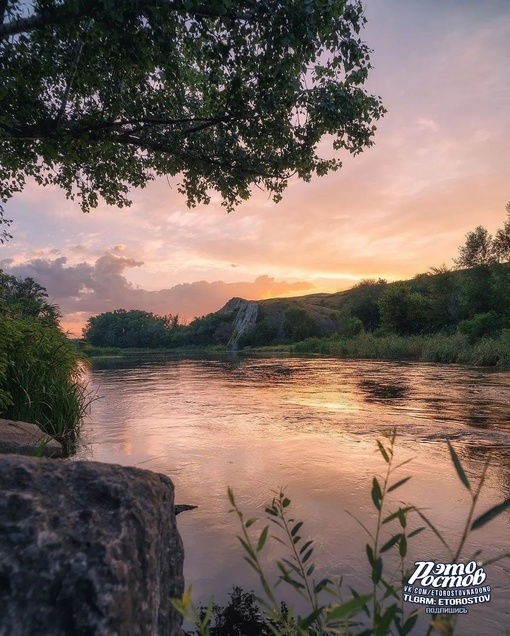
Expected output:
(440, 348)
(41, 379)
(331, 609)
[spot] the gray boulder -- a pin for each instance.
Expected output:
(87, 549)
(22, 438)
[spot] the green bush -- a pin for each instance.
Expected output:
(298, 325)
(262, 334)
(40, 378)
(312, 345)
(481, 325)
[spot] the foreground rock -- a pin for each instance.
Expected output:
(87, 549)
(22, 438)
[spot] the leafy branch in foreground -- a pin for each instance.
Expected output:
(387, 606)
(101, 98)
(379, 613)
(445, 624)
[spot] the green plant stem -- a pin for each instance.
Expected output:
(474, 500)
(379, 525)
(311, 596)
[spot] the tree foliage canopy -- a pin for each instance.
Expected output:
(24, 298)
(477, 250)
(98, 96)
(481, 248)
(133, 328)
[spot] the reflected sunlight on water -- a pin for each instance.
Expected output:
(310, 425)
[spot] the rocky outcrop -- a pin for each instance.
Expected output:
(247, 313)
(22, 438)
(87, 549)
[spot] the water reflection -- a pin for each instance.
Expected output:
(383, 391)
(310, 424)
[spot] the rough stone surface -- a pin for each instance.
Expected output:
(87, 549)
(22, 438)
(246, 317)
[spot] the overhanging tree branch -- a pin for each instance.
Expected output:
(206, 89)
(165, 147)
(58, 15)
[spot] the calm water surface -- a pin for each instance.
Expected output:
(311, 426)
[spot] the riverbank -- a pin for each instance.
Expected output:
(440, 348)
(444, 349)
(110, 352)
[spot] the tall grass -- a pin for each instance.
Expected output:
(440, 348)
(381, 609)
(41, 379)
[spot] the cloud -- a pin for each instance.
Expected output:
(86, 289)
(437, 170)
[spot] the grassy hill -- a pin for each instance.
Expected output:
(457, 309)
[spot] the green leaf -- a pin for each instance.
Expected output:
(292, 566)
(285, 503)
(458, 467)
(402, 547)
(435, 531)
(406, 461)
(398, 484)
(304, 623)
(347, 609)
(390, 590)
(391, 542)
(361, 524)
(321, 585)
(357, 595)
(295, 529)
(385, 620)
(250, 522)
(376, 493)
(415, 532)
(262, 538)
(396, 514)
(377, 570)
(252, 563)
(247, 547)
(267, 589)
(383, 452)
(305, 546)
(410, 622)
(402, 518)
(370, 554)
(490, 514)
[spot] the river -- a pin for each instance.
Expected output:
(310, 425)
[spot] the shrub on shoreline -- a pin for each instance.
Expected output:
(40, 378)
(439, 348)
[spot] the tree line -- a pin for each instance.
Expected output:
(142, 329)
(473, 298)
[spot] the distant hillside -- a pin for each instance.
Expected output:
(474, 302)
(278, 320)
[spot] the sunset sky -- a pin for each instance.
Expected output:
(440, 166)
